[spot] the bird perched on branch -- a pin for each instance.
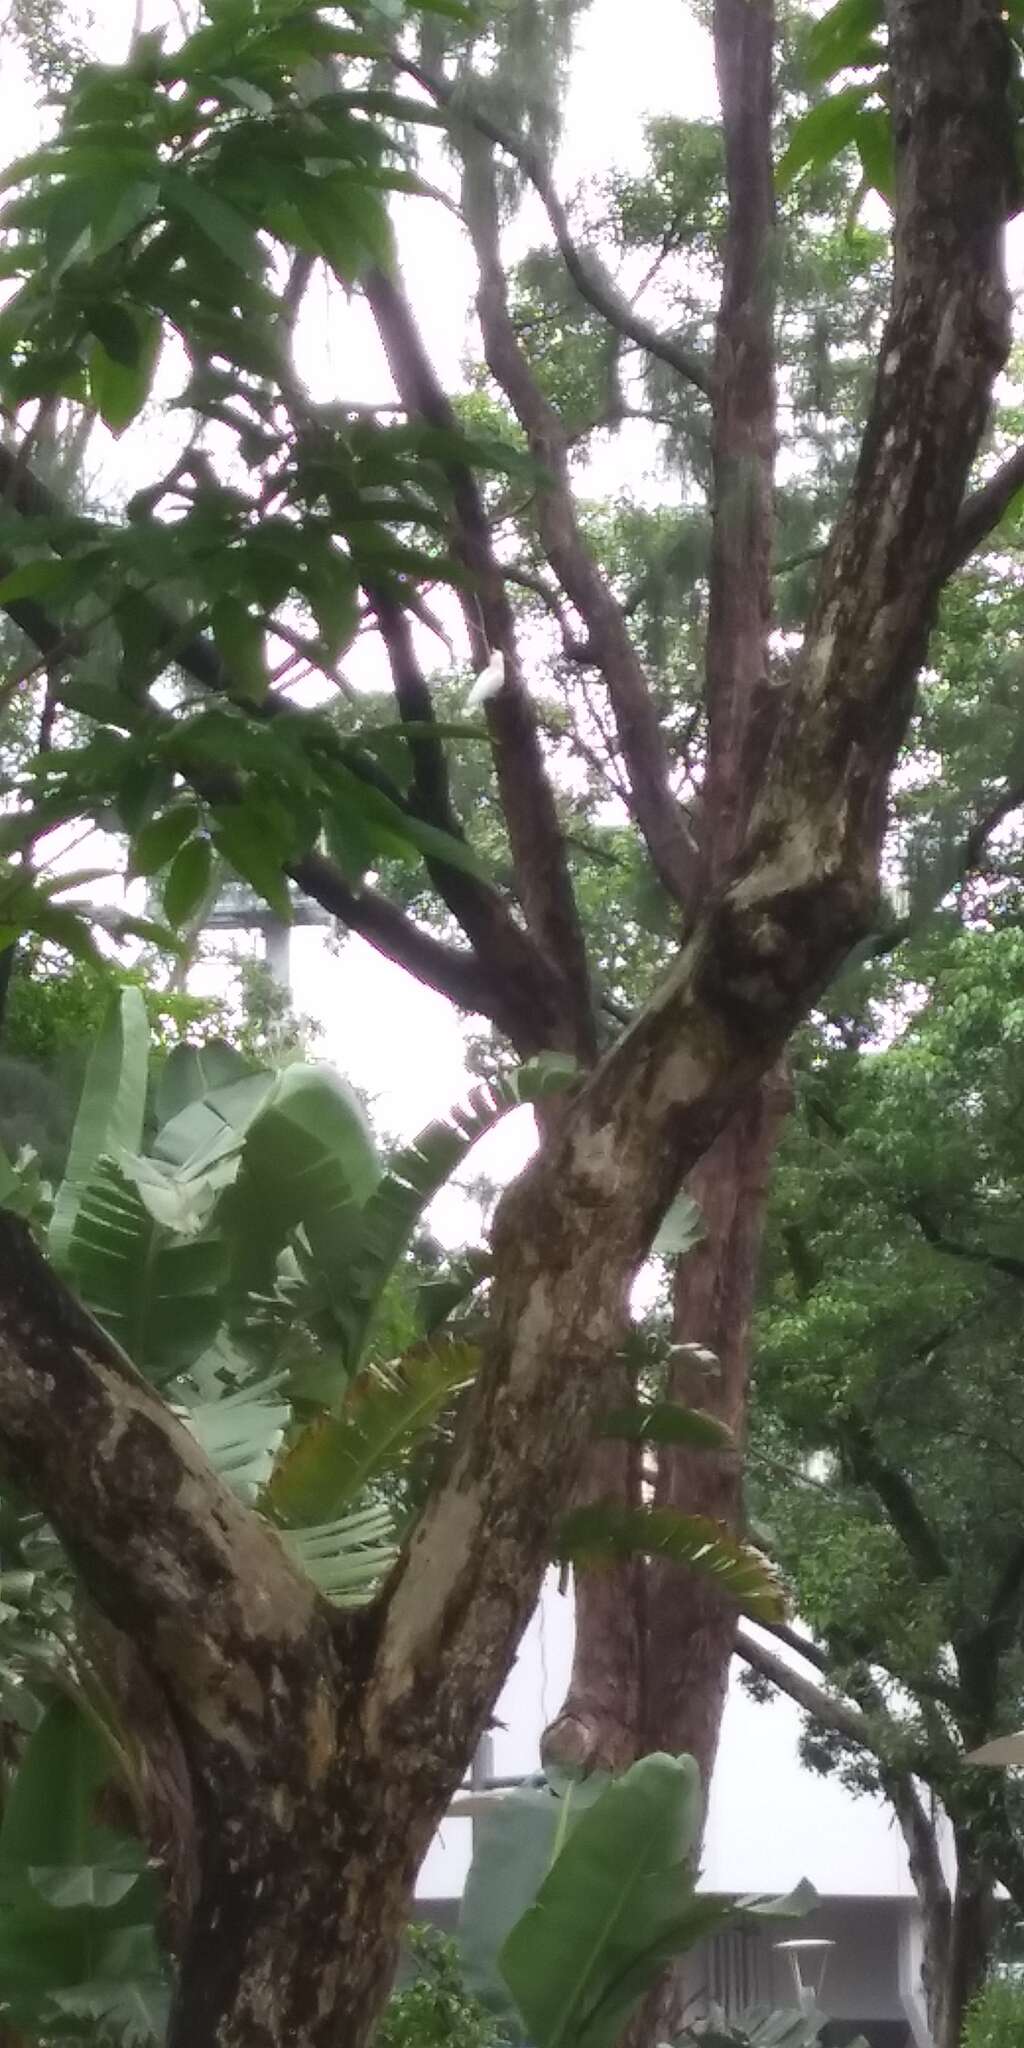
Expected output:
(490, 680)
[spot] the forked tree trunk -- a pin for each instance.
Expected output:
(323, 1749)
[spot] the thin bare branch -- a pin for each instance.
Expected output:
(587, 273)
(640, 736)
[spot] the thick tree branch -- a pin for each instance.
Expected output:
(163, 1545)
(588, 275)
(896, 1495)
(978, 1255)
(528, 996)
(641, 739)
(826, 1708)
(983, 509)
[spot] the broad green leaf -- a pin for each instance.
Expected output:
(240, 836)
(875, 148)
(49, 578)
(617, 1901)
(841, 39)
(823, 133)
(82, 1884)
(157, 1290)
(240, 1433)
(308, 1159)
(200, 1131)
(336, 1457)
(68, 1752)
(191, 1072)
(188, 880)
(514, 1843)
(119, 389)
(682, 1227)
(666, 1422)
(607, 1533)
(111, 1111)
(158, 841)
(227, 230)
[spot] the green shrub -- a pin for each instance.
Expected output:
(435, 2010)
(996, 2019)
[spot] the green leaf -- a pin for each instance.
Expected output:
(188, 881)
(111, 1110)
(335, 1458)
(240, 641)
(823, 133)
(875, 149)
(842, 39)
(159, 840)
(616, 1904)
(49, 578)
(308, 1159)
(666, 1422)
(118, 389)
(348, 1558)
(512, 1849)
(158, 1294)
(68, 1752)
(240, 1433)
(192, 1072)
(355, 1254)
(608, 1533)
(241, 837)
(228, 231)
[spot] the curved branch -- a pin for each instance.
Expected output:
(983, 509)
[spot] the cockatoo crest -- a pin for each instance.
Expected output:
(488, 682)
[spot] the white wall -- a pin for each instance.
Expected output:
(771, 1821)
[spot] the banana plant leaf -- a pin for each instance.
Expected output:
(355, 1254)
(308, 1160)
(514, 1844)
(111, 1110)
(617, 1904)
(159, 1295)
(77, 1901)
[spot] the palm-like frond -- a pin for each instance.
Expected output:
(334, 1459)
(241, 1432)
(607, 1533)
(346, 1558)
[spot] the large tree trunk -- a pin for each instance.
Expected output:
(653, 1646)
(963, 1964)
(323, 1749)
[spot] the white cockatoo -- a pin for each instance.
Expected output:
(490, 680)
